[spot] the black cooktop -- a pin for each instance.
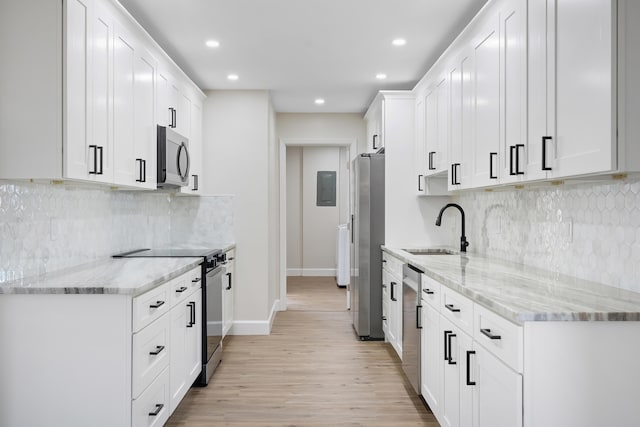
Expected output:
(170, 253)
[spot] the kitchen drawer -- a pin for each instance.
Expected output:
(151, 305)
(507, 341)
(457, 308)
(147, 365)
(392, 264)
(184, 285)
(154, 400)
(431, 292)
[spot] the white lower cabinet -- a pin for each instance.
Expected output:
(186, 345)
(393, 302)
(152, 407)
(431, 355)
(228, 292)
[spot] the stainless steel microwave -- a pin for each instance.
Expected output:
(173, 159)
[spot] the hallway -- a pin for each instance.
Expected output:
(311, 371)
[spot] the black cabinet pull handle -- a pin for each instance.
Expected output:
(428, 291)
(175, 118)
(231, 259)
(139, 170)
(384, 318)
(195, 183)
(157, 304)
(375, 140)
(469, 353)
(446, 351)
(192, 308)
(181, 289)
(101, 152)
(393, 287)
(418, 316)
(452, 308)
(157, 351)
(511, 150)
(95, 159)
(431, 154)
(544, 153)
(453, 166)
(384, 286)
(144, 170)
(518, 147)
(420, 182)
(450, 360)
(159, 407)
(488, 334)
(193, 321)
(491, 175)
(455, 174)
(229, 276)
(196, 280)
(170, 117)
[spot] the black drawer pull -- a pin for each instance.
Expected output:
(192, 314)
(469, 353)
(487, 333)
(450, 360)
(450, 307)
(491, 175)
(157, 304)
(159, 407)
(230, 281)
(181, 289)
(418, 317)
(428, 291)
(393, 294)
(196, 280)
(446, 351)
(157, 351)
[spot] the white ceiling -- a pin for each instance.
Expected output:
(301, 50)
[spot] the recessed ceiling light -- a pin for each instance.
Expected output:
(381, 76)
(212, 43)
(319, 101)
(232, 77)
(399, 42)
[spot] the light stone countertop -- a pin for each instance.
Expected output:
(520, 293)
(124, 276)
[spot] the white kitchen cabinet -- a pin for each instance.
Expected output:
(92, 91)
(374, 119)
(195, 152)
(437, 125)
(572, 66)
(125, 342)
(497, 392)
(228, 292)
(431, 354)
(486, 101)
(186, 345)
(392, 279)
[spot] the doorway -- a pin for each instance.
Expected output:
(308, 225)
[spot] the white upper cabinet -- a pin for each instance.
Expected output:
(572, 63)
(195, 152)
(486, 123)
(95, 92)
(374, 119)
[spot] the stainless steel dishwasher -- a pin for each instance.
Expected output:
(411, 324)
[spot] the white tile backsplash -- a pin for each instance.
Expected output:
(591, 231)
(44, 227)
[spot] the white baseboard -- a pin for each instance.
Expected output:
(311, 272)
(255, 327)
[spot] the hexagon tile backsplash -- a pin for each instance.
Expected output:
(591, 231)
(44, 228)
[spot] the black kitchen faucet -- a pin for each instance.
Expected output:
(463, 238)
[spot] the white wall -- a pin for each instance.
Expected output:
(238, 159)
(274, 213)
(330, 126)
(294, 210)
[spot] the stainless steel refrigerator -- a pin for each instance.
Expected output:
(367, 226)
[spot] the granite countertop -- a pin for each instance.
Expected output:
(520, 293)
(223, 246)
(124, 276)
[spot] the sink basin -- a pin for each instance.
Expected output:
(431, 251)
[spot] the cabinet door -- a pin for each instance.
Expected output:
(193, 340)
(584, 135)
(420, 151)
(442, 139)
(497, 400)
(124, 156)
(195, 152)
(456, 404)
(396, 313)
(513, 75)
(392, 317)
(486, 101)
(145, 119)
(431, 364)
(78, 16)
(431, 128)
(182, 120)
(180, 318)
(164, 113)
(461, 122)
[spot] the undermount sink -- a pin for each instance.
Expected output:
(431, 251)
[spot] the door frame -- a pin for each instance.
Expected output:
(352, 149)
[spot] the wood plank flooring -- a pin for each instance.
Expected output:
(311, 371)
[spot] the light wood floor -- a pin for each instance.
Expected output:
(311, 371)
